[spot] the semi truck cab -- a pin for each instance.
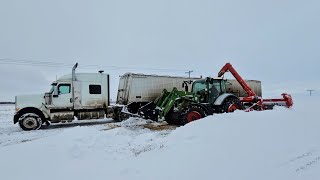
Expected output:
(81, 95)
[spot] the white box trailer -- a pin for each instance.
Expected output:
(234, 87)
(136, 90)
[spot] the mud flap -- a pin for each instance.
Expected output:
(15, 118)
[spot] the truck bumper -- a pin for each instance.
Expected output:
(15, 118)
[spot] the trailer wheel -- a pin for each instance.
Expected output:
(230, 105)
(30, 121)
(192, 113)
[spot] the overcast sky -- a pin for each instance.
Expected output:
(275, 41)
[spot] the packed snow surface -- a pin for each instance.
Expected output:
(279, 144)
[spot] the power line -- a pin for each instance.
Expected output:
(84, 66)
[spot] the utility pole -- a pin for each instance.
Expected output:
(310, 91)
(189, 72)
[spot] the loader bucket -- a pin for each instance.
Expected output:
(149, 111)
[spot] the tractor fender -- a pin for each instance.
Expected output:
(207, 110)
(219, 101)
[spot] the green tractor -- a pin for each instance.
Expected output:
(208, 96)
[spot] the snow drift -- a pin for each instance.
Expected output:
(279, 144)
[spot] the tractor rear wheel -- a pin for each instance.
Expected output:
(230, 105)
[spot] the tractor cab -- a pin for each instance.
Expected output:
(209, 89)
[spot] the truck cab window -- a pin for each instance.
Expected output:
(64, 88)
(94, 89)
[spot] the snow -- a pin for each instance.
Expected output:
(279, 144)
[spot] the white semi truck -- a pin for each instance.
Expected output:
(87, 96)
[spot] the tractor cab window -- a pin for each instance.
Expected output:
(200, 89)
(223, 86)
(214, 90)
(198, 86)
(64, 88)
(216, 86)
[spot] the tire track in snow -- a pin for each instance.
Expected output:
(304, 161)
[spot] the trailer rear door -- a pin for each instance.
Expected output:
(123, 90)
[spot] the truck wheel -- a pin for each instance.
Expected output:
(30, 121)
(230, 105)
(192, 114)
(123, 116)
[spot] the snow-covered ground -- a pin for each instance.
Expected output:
(280, 144)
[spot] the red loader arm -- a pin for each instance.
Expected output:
(252, 97)
(245, 86)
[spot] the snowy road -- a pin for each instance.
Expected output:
(11, 134)
(279, 144)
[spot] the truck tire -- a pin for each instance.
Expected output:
(231, 104)
(30, 121)
(123, 116)
(192, 113)
(117, 114)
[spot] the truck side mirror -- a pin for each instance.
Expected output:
(55, 91)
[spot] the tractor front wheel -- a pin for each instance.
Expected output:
(192, 114)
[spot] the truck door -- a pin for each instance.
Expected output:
(77, 95)
(64, 98)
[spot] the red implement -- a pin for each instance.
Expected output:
(252, 97)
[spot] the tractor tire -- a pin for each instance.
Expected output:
(230, 105)
(171, 119)
(192, 113)
(30, 121)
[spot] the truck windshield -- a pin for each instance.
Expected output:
(51, 90)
